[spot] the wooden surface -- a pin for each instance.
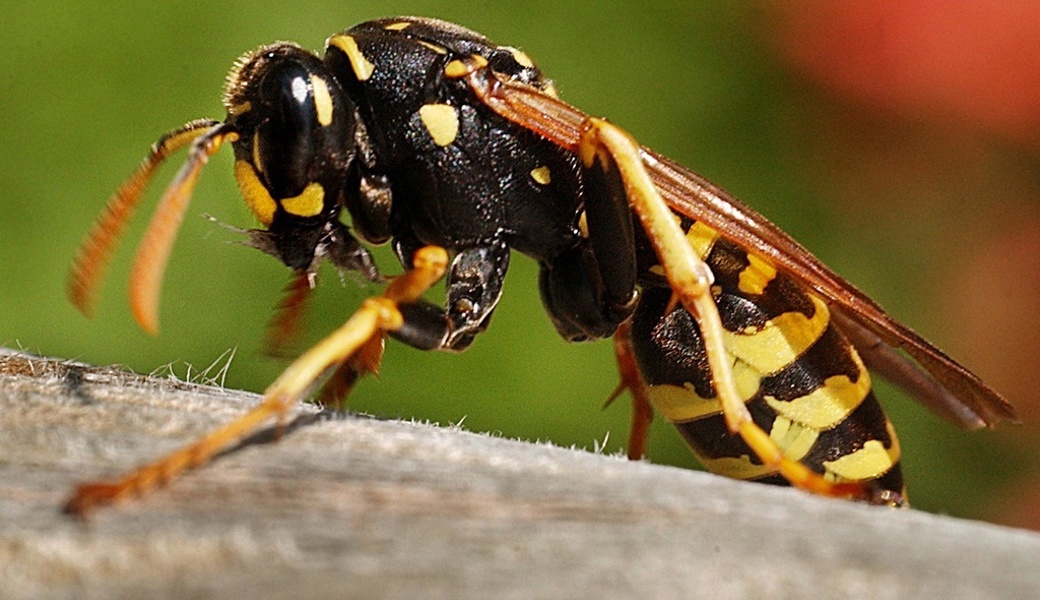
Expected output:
(354, 507)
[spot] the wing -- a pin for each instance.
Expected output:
(936, 380)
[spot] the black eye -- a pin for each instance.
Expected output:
(287, 139)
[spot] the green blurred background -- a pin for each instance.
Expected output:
(89, 86)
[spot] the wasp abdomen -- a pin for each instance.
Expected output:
(801, 380)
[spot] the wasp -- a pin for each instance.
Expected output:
(456, 151)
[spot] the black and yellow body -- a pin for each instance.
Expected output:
(456, 151)
(802, 381)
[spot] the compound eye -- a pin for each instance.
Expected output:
(287, 141)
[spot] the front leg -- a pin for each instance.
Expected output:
(376, 316)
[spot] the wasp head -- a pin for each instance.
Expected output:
(293, 132)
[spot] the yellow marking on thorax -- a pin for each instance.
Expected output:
(519, 56)
(255, 194)
(550, 90)
(322, 100)
(756, 276)
(583, 225)
(828, 405)
(441, 122)
(438, 49)
(541, 175)
(363, 69)
(398, 26)
(458, 68)
(308, 203)
(781, 340)
(702, 238)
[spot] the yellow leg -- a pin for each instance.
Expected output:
(691, 280)
(367, 359)
(375, 317)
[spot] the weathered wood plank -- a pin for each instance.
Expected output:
(353, 507)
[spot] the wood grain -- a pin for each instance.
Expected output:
(355, 507)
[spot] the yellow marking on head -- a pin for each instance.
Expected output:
(258, 163)
(308, 203)
(519, 56)
(363, 69)
(255, 194)
(541, 175)
(869, 462)
(701, 238)
(735, 467)
(459, 68)
(756, 276)
(794, 439)
(828, 405)
(398, 26)
(583, 225)
(239, 109)
(322, 100)
(781, 341)
(438, 49)
(441, 122)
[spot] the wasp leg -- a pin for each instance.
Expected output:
(473, 289)
(607, 148)
(577, 297)
(632, 381)
(367, 359)
(375, 317)
(286, 324)
(590, 289)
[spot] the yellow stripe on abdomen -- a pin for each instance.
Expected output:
(780, 341)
